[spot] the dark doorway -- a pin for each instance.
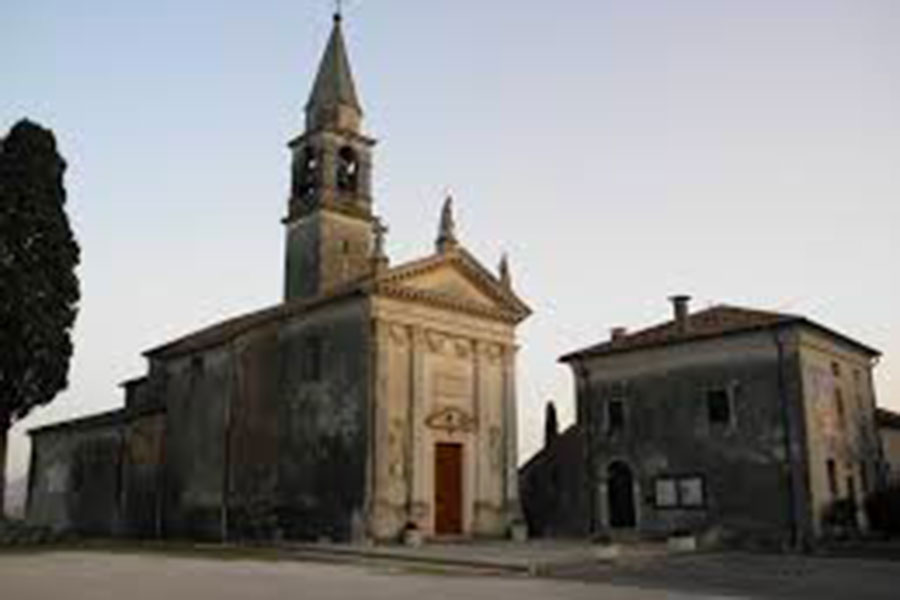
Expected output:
(621, 496)
(448, 489)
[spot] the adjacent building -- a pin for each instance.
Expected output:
(728, 421)
(889, 430)
(375, 398)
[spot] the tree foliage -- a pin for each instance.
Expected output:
(39, 288)
(551, 425)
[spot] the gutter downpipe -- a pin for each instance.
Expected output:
(788, 441)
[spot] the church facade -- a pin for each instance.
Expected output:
(375, 399)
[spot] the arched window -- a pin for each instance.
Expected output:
(347, 169)
(306, 172)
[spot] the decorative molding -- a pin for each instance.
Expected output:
(494, 353)
(451, 419)
(462, 347)
(435, 341)
(396, 452)
(495, 440)
(399, 334)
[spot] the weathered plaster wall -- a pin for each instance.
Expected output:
(890, 440)
(668, 433)
(840, 418)
(199, 393)
(254, 447)
(144, 454)
(301, 276)
(323, 250)
(252, 469)
(76, 479)
(324, 424)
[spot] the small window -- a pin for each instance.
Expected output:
(718, 404)
(690, 492)
(312, 359)
(197, 364)
(615, 415)
(836, 368)
(832, 477)
(666, 493)
(851, 488)
(839, 407)
(680, 492)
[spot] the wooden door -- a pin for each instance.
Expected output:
(448, 489)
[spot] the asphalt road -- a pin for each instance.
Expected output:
(102, 576)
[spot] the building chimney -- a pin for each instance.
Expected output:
(618, 333)
(680, 307)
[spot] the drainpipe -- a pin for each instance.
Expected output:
(788, 441)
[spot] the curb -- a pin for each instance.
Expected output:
(528, 567)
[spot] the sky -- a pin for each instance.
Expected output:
(621, 151)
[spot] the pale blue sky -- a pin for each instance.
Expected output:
(620, 150)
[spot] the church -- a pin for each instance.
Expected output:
(374, 400)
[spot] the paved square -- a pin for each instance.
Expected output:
(102, 576)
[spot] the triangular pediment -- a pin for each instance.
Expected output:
(449, 280)
(455, 278)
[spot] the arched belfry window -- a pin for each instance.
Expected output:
(306, 176)
(347, 169)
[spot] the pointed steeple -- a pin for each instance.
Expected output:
(333, 102)
(505, 277)
(446, 239)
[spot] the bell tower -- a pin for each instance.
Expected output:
(330, 221)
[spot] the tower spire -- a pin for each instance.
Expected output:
(333, 102)
(446, 239)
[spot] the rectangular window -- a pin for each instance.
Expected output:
(836, 369)
(312, 359)
(832, 477)
(666, 493)
(690, 492)
(615, 415)
(718, 406)
(680, 492)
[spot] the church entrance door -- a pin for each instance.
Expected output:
(621, 496)
(448, 489)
